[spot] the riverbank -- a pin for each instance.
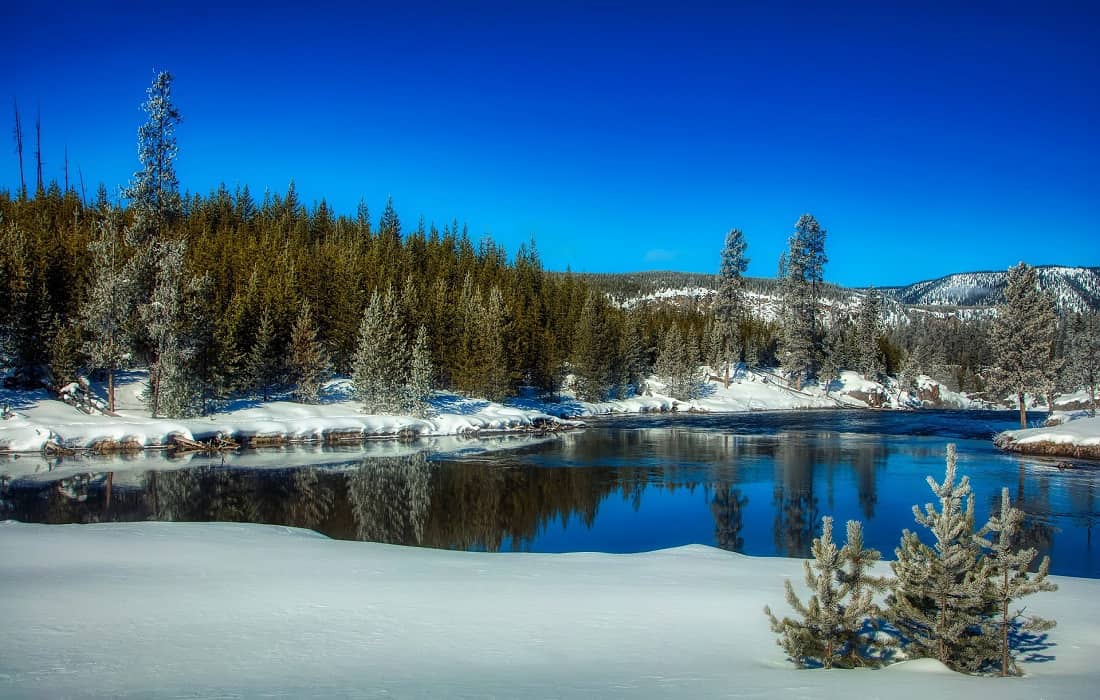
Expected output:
(37, 422)
(1076, 436)
(230, 610)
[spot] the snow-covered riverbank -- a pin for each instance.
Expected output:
(1075, 435)
(38, 422)
(229, 610)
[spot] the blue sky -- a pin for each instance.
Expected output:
(927, 139)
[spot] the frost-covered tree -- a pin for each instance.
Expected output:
(1022, 337)
(1083, 365)
(729, 309)
(870, 365)
(103, 315)
(801, 274)
(631, 365)
(379, 368)
(1011, 580)
(154, 190)
(421, 373)
(309, 363)
(941, 594)
(832, 625)
(175, 388)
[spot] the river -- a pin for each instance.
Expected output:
(755, 483)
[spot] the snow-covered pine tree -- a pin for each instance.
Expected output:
(859, 587)
(154, 190)
(871, 365)
(1008, 570)
(1083, 366)
(379, 370)
(497, 381)
(102, 314)
(834, 628)
(1022, 335)
(421, 374)
(941, 594)
(309, 363)
(677, 364)
(729, 308)
(801, 273)
(175, 389)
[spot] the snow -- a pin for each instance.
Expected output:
(233, 610)
(1082, 430)
(38, 420)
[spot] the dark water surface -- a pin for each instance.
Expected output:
(754, 483)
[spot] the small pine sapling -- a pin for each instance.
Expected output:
(940, 597)
(833, 619)
(859, 586)
(1008, 567)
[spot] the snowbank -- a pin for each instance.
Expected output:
(39, 420)
(231, 610)
(1079, 437)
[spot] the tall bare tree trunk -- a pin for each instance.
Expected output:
(1023, 410)
(19, 148)
(38, 147)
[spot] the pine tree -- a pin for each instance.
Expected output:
(1083, 366)
(1008, 569)
(103, 316)
(174, 386)
(379, 370)
(309, 363)
(801, 274)
(592, 351)
(262, 365)
(1022, 336)
(421, 374)
(730, 307)
(154, 190)
(941, 595)
(831, 630)
(870, 365)
(630, 367)
(676, 364)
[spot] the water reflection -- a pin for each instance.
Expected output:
(612, 487)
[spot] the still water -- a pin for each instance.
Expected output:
(755, 483)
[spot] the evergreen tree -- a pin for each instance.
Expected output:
(421, 374)
(379, 370)
(801, 274)
(103, 315)
(593, 351)
(631, 362)
(870, 365)
(174, 387)
(263, 365)
(729, 309)
(833, 620)
(1022, 336)
(1083, 366)
(154, 190)
(676, 364)
(941, 594)
(1008, 569)
(309, 363)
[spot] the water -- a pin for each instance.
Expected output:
(753, 483)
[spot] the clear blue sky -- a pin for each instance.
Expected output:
(927, 139)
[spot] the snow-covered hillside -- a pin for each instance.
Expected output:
(1074, 288)
(966, 295)
(246, 611)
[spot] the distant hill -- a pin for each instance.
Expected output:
(966, 293)
(1074, 288)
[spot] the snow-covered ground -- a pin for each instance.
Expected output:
(39, 420)
(1071, 435)
(232, 610)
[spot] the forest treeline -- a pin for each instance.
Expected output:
(225, 294)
